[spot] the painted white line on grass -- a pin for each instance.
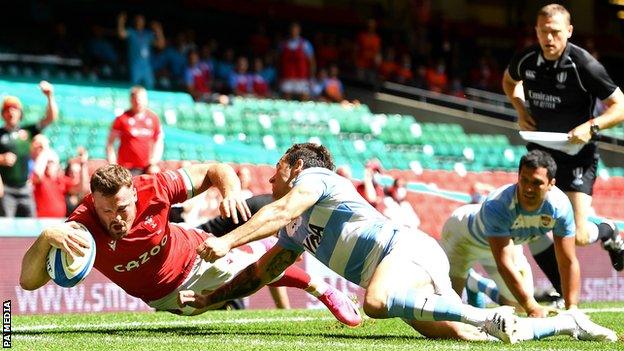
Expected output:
(603, 310)
(179, 322)
(200, 322)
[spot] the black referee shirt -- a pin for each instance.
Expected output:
(561, 94)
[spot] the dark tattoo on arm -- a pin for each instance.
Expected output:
(254, 277)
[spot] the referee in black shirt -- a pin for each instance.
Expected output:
(553, 86)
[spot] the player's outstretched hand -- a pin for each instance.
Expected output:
(231, 203)
(542, 311)
(63, 237)
(191, 298)
(213, 249)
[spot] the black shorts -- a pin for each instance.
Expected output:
(574, 173)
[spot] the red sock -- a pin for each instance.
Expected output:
(294, 277)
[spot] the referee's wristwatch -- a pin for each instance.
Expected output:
(594, 130)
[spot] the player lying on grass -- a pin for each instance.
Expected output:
(404, 272)
(152, 259)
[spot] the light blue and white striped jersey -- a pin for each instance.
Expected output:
(342, 230)
(501, 215)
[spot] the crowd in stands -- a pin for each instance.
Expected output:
(437, 55)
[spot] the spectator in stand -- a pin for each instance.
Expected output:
(326, 49)
(420, 79)
(260, 86)
(404, 74)
(297, 65)
(437, 80)
(370, 188)
(332, 89)
(51, 185)
(224, 67)
(140, 41)
(368, 52)
(397, 207)
(269, 72)
(15, 143)
(388, 66)
(141, 138)
(78, 171)
(240, 80)
(457, 88)
(101, 51)
(259, 42)
(486, 75)
(198, 77)
(62, 44)
(170, 64)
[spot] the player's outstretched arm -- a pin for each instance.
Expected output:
(569, 269)
(33, 274)
(265, 223)
(224, 178)
(250, 280)
(503, 252)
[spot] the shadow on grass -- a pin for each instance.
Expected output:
(211, 331)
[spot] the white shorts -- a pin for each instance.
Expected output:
(413, 246)
(464, 251)
(295, 86)
(210, 276)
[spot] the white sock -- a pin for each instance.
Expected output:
(592, 232)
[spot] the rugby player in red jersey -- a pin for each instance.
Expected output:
(153, 259)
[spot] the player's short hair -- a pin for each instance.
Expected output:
(552, 10)
(311, 154)
(107, 180)
(539, 158)
(137, 89)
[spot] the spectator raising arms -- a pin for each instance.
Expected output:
(15, 143)
(140, 41)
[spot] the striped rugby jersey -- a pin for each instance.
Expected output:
(342, 230)
(501, 215)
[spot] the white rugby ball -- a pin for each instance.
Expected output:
(66, 271)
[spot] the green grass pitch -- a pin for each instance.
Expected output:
(262, 330)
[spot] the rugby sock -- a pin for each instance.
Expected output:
(411, 305)
(539, 328)
(594, 233)
(296, 277)
(605, 232)
(547, 261)
(477, 282)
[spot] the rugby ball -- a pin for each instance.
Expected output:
(66, 271)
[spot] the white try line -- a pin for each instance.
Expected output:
(195, 322)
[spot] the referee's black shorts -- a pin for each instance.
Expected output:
(576, 173)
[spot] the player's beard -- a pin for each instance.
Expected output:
(118, 229)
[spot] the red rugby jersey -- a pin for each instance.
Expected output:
(156, 256)
(137, 135)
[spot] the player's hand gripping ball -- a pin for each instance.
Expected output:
(67, 271)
